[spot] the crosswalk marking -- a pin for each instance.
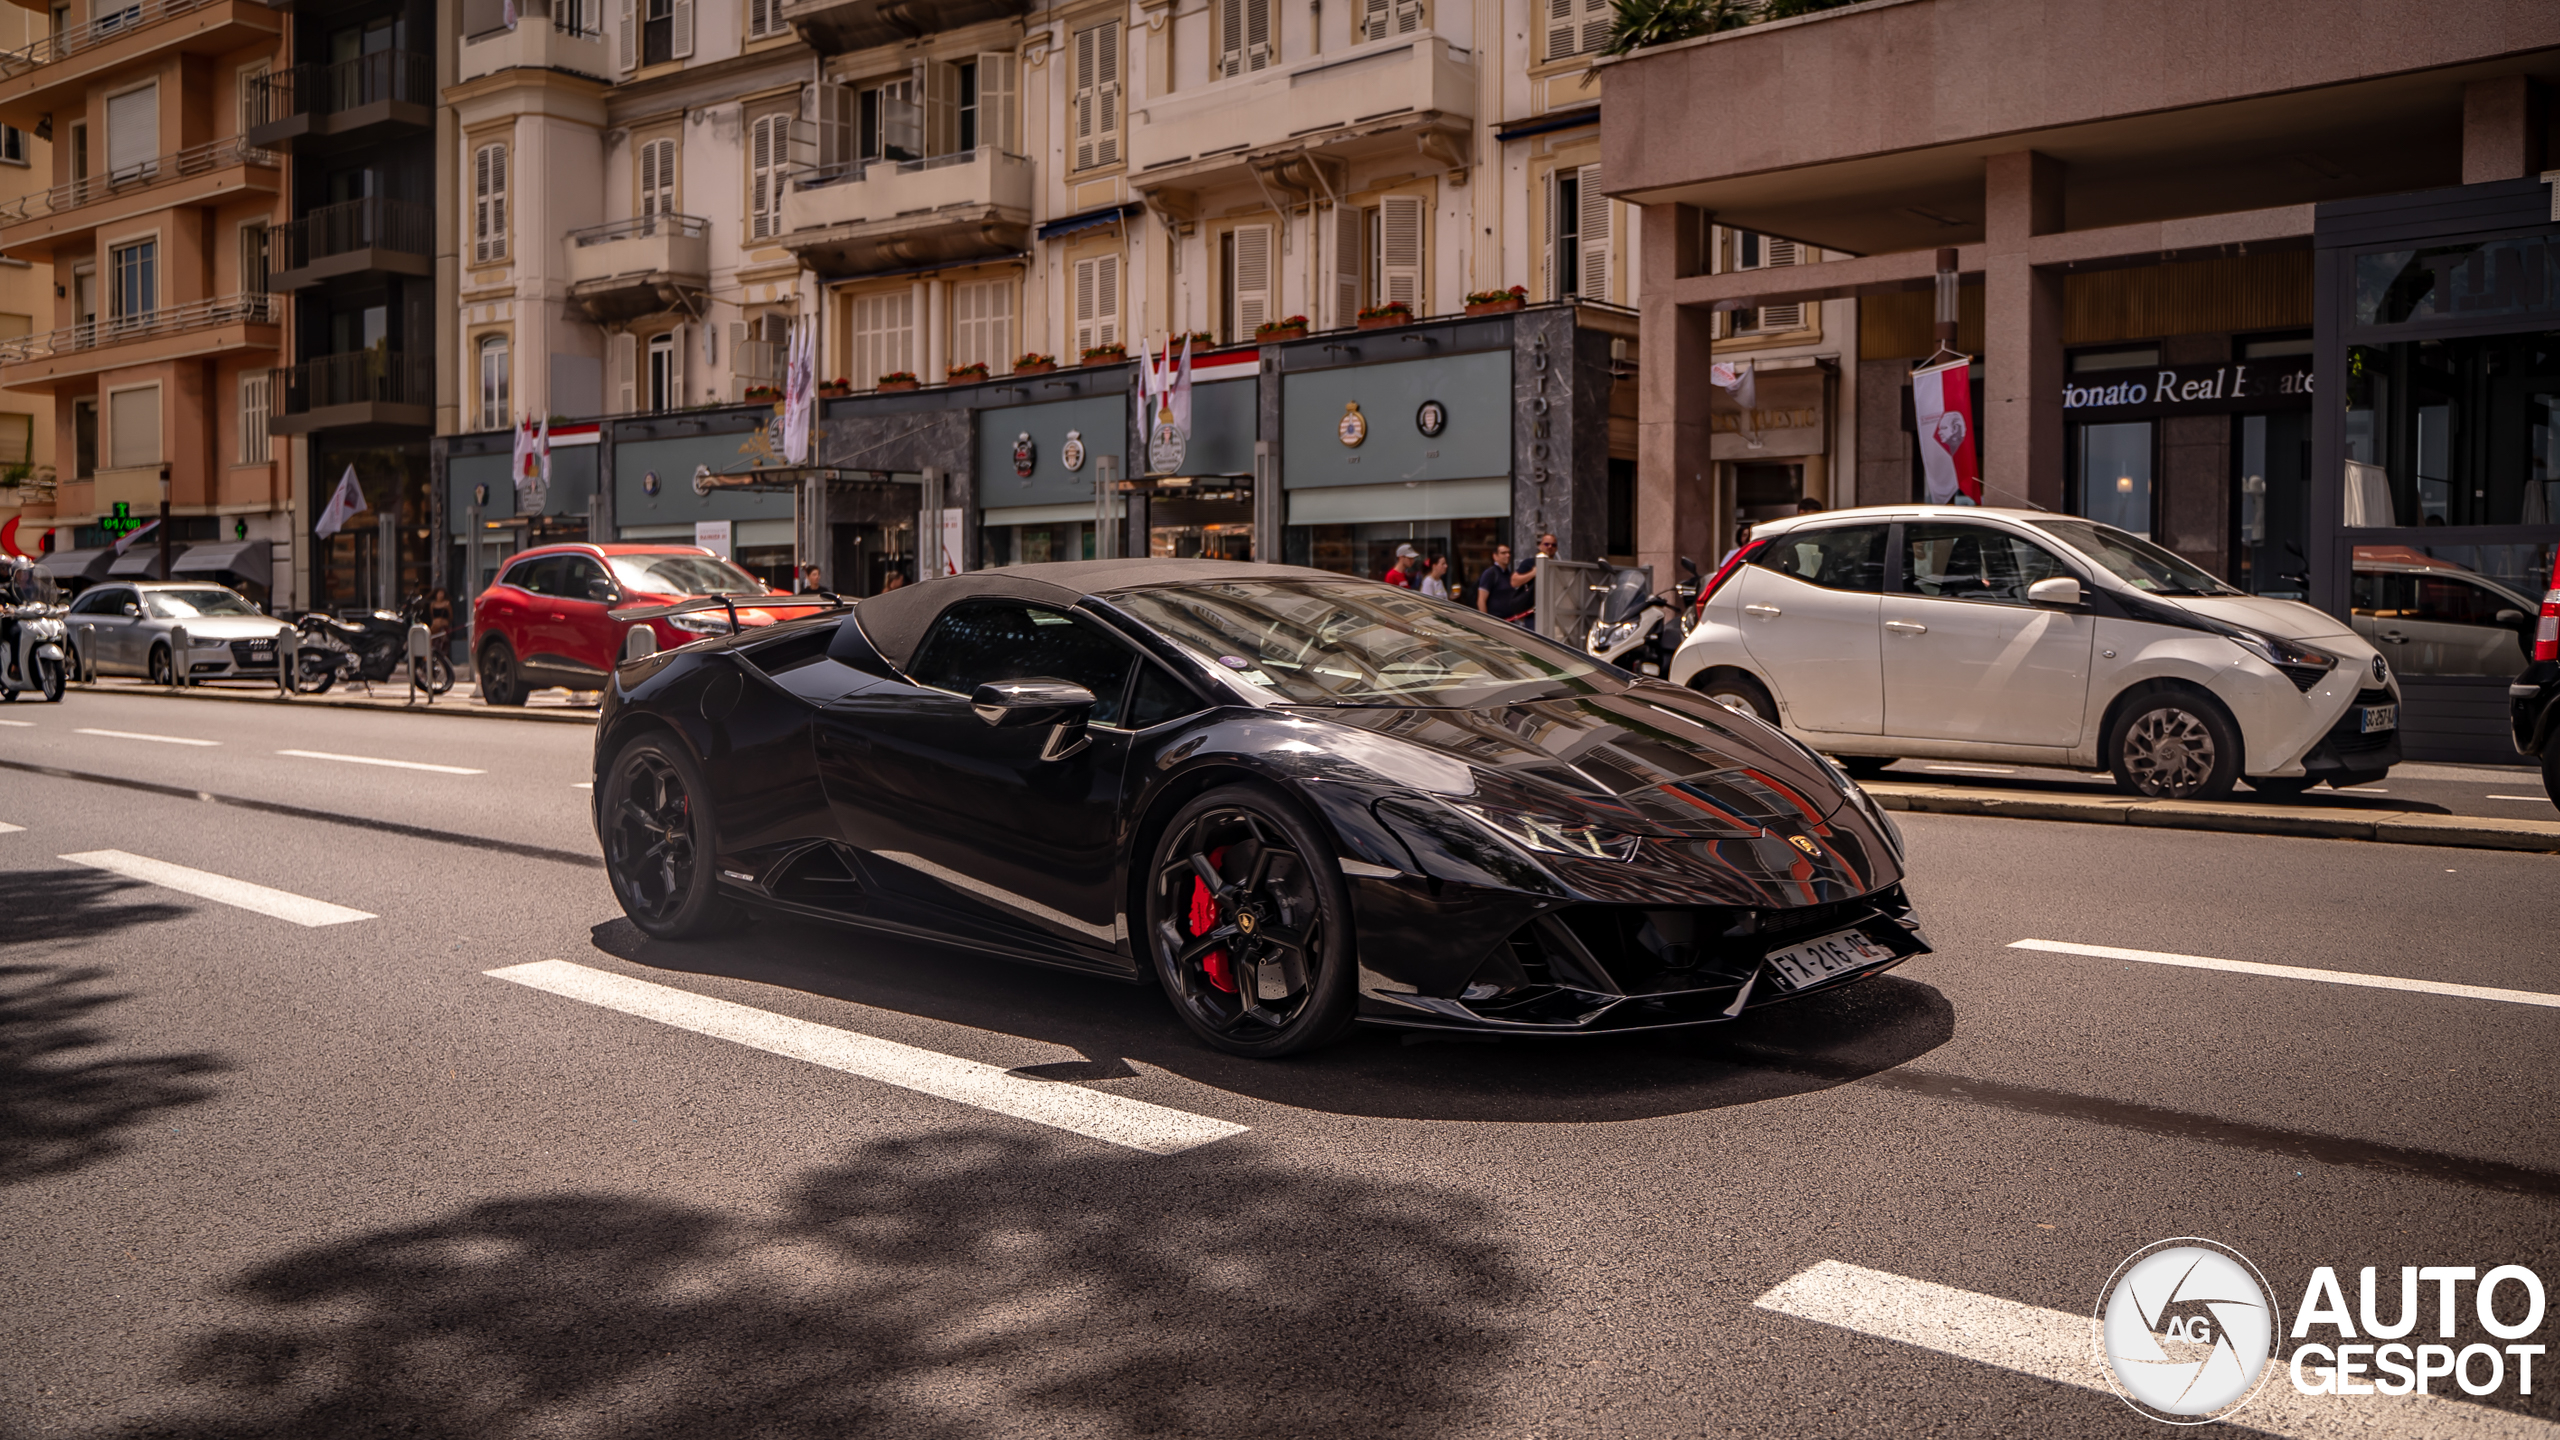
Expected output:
(2059, 1346)
(1156, 1129)
(138, 735)
(2294, 972)
(374, 760)
(282, 904)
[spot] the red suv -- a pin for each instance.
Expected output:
(547, 618)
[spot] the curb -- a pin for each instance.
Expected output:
(468, 709)
(2393, 827)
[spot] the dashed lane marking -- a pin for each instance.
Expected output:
(138, 735)
(374, 760)
(282, 904)
(1973, 769)
(19, 724)
(2294, 972)
(1156, 1129)
(2536, 799)
(2059, 1346)
(8, 829)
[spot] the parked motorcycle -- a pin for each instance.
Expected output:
(33, 641)
(1638, 629)
(368, 646)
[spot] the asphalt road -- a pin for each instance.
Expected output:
(259, 1177)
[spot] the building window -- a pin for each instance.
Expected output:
(134, 291)
(253, 259)
(133, 427)
(1097, 96)
(1097, 302)
(764, 19)
(489, 204)
(1244, 37)
(883, 335)
(13, 145)
(1578, 233)
(666, 30)
(665, 382)
(1244, 274)
(497, 409)
(658, 178)
(1382, 18)
(982, 323)
(84, 438)
(253, 110)
(768, 164)
(967, 71)
(1754, 251)
(133, 134)
(1576, 27)
(890, 123)
(253, 417)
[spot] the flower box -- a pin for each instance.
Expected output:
(966, 374)
(1034, 364)
(899, 380)
(1292, 328)
(1497, 302)
(763, 394)
(1106, 355)
(1385, 316)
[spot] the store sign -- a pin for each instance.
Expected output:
(2196, 389)
(1026, 457)
(1071, 454)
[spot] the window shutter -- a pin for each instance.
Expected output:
(253, 417)
(1374, 19)
(997, 87)
(681, 26)
(1086, 44)
(1595, 25)
(628, 46)
(1593, 234)
(941, 108)
(1258, 52)
(133, 428)
(983, 323)
(1106, 300)
(1084, 305)
(1106, 74)
(1400, 249)
(497, 202)
(626, 361)
(1408, 16)
(1230, 38)
(1253, 278)
(1777, 319)
(769, 146)
(1350, 244)
(764, 18)
(133, 133)
(1560, 28)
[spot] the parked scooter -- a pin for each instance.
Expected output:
(368, 647)
(33, 643)
(1639, 629)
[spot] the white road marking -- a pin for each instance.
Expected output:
(1010, 900)
(1973, 769)
(282, 904)
(138, 735)
(8, 829)
(1157, 1129)
(582, 784)
(2294, 972)
(371, 760)
(20, 724)
(2536, 799)
(2059, 1346)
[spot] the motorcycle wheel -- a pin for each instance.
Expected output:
(49, 678)
(439, 674)
(314, 679)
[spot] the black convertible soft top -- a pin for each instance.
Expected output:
(895, 622)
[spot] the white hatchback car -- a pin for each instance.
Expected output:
(1957, 633)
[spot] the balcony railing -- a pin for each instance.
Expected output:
(332, 88)
(366, 377)
(167, 320)
(157, 171)
(854, 172)
(372, 223)
(642, 227)
(65, 43)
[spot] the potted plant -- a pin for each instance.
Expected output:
(1032, 362)
(1111, 354)
(964, 374)
(1379, 317)
(835, 389)
(1497, 302)
(763, 394)
(1199, 340)
(1292, 328)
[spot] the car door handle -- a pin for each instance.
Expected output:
(1765, 612)
(1906, 627)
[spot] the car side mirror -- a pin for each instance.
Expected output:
(2059, 590)
(132, 611)
(1062, 705)
(1688, 567)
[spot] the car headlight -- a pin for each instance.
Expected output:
(1549, 835)
(701, 622)
(1609, 635)
(2300, 664)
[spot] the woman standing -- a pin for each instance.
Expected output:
(1435, 580)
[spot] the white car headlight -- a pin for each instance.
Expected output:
(701, 622)
(1549, 835)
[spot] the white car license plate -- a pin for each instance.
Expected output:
(2381, 717)
(1815, 961)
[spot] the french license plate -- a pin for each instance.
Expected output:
(2381, 717)
(1815, 961)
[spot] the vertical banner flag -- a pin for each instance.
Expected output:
(1942, 409)
(1168, 403)
(348, 500)
(950, 541)
(533, 466)
(799, 394)
(1742, 382)
(1181, 387)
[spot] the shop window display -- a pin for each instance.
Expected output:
(2460, 432)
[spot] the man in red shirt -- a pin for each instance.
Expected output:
(1408, 560)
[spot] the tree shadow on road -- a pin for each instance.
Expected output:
(60, 1113)
(1815, 1043)
(973, 1282)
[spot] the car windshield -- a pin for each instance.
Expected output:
(189, 604)
(2134, 560)
(1353, 642)
(682, 575)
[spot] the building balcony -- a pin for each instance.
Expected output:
(372, 236)
(53, 75)
(379, 389)
(856, 218)
(1415, 94)
(203, 175)
(342, 99)
(197, 330)
(643, 266)
(572, 40)
(835, 26)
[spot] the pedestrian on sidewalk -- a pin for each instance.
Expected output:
(1401, 573)
(440, 622)
(1435, 578)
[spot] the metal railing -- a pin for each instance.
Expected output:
(760, 360)
(854, 172)
(373, 222)
(365, 377)
(63, 44)
(316, 88)
(156, 171)
(166, 320)
(582, 18)
(642, 227)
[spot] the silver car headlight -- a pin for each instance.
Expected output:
(701, 622)
(1549, 835)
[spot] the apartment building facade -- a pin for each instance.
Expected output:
(155, 324)
(27, 471)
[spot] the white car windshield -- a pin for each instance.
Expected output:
(2134, 560)
(1356, 642)
(682, 575)
(190, 604)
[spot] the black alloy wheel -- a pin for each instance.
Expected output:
(2173, 745)
(498, 682)
(164, 669)
(1248, 924)
(659, 841)
(1736, 691)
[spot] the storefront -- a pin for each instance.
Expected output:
(1039, 467)
(656, 500)
(1777, 454)
(1196, 500)
(483, 523)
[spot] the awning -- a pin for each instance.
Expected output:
(229, 556)
(1090, 219)
(77, 564)
(1545, 124)
(139, 562)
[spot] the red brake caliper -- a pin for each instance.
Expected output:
(1204, 918)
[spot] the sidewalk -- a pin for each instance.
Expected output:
(551, 707)
(2398, 827)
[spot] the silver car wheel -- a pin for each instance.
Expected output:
(2169, 752)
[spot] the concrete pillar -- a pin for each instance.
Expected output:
(2193, 487)
(2505, 121)
(2021, 423)
(1678, 510)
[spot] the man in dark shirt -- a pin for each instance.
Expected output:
(1501, 591)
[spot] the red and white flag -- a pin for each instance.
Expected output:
(1942, 406)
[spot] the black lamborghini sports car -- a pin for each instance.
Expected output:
(1293, 799)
